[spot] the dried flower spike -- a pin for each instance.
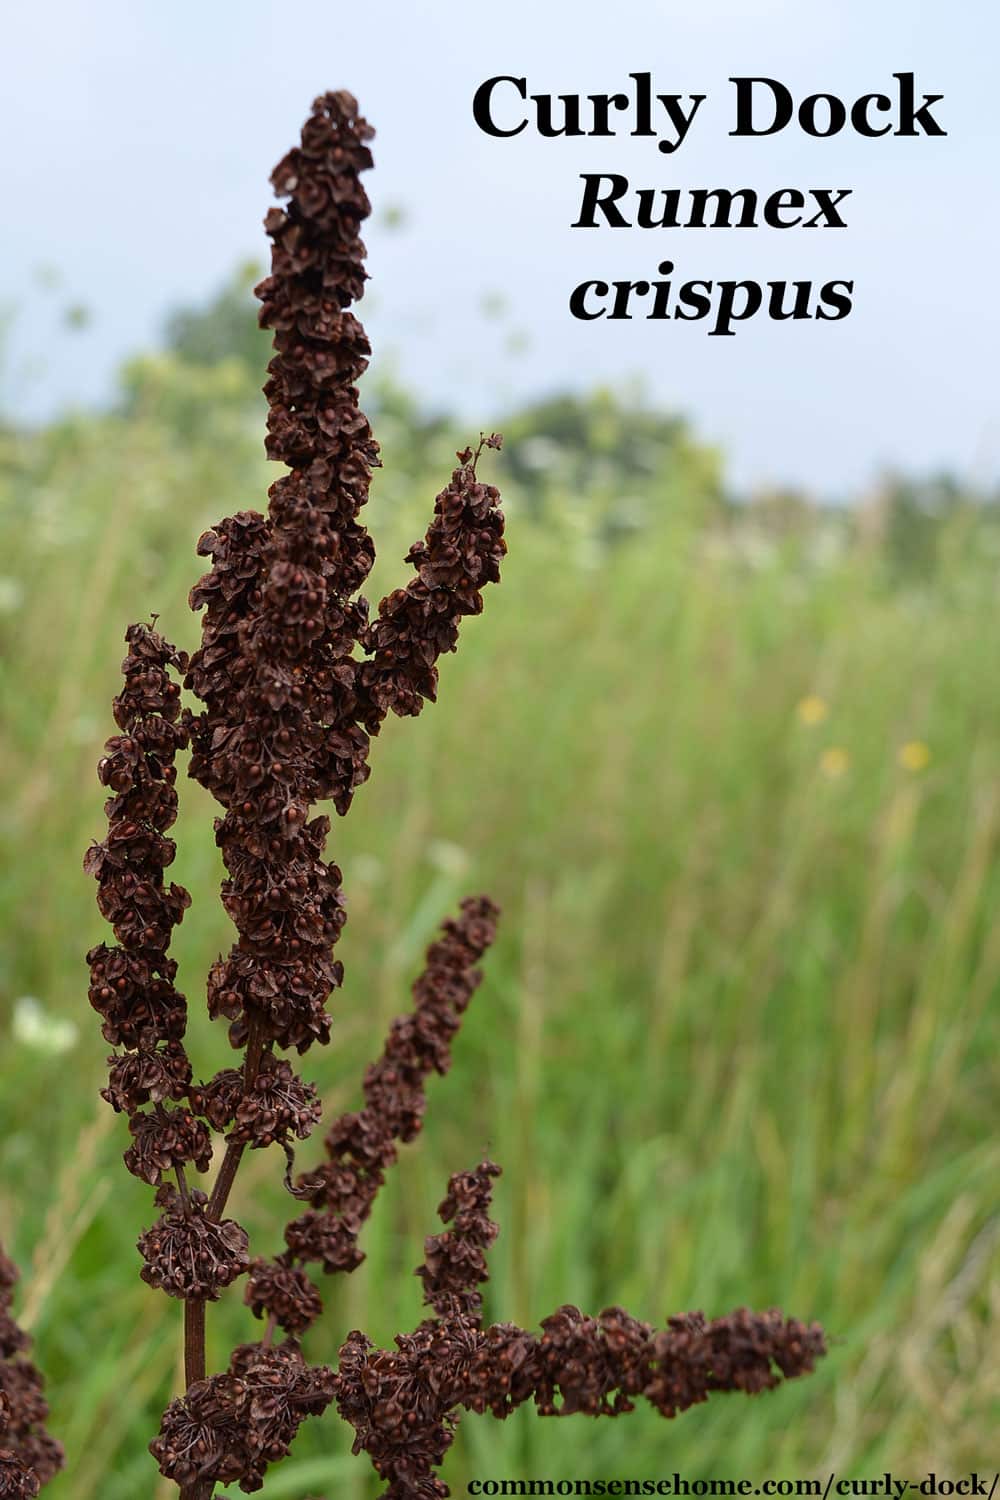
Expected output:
(360, 1147)
(404, 1404)
(293, 682)
(294, 678)
(29, 1457)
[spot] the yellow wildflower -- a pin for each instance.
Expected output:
(812, 710)
(834, 762)
(914, 756)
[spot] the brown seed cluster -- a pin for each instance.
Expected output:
(282, 1292)
(275, 669)
(276, 1104)
(229, 1427)
(29, 1457)
(404, 1403)
(163, 1140)
(149, 1073)
(132, 984)
(455, 1262)
(290, 700)
(360, 1146)
(187, 1253)
(461, 552)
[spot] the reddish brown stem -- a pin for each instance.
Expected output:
(234, 1154)
(182, 1185)
(194, 1310)
(194, 1315)
(194, 1342)
(201, 1491)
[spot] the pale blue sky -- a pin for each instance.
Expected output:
(137, 140)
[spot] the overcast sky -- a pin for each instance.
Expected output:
(137, 139)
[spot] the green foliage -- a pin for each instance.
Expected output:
(225, 329)
(737, 1043)
(611, 457)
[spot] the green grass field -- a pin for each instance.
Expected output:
(738, 796)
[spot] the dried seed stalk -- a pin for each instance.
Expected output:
(294, 679)
(29, 1457)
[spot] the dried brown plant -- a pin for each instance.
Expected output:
(294, 678)
(29, 1457)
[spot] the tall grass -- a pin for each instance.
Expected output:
(737, 1043)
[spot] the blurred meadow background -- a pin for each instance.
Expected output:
(730, 764)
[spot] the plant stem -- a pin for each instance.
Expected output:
(202, 1490)
(194, 1314)
(234, 1154)
(194, 1310)
(182, 1185)
(194, 1342)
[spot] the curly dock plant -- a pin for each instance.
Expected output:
(294, 679)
